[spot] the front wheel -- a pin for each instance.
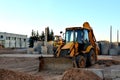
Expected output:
(91, 58)
(81, 61)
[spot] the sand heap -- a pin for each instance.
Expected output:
(14, 75)
(79, 74)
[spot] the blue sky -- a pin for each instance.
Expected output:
(21, 16)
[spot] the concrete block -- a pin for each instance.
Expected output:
(37, 47)
(98, 72)
(104, 47)
(114, 45)
(43, 49)
(35, 52)
(118, 50)
(116, 79)
(113, 51)
(30, 50)
(107, 74)
(50, 49)
(115, 74)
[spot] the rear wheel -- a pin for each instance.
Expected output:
(81, 61)
(91, 58)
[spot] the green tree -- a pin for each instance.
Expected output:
(34, 37)
(33, 33)
(51, 35)
(37, 34)
(48, 33)
(31, 42)
(42, 36)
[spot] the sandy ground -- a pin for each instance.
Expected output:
(15, 75)
(25, 64)
(30, 66)
(13, 51)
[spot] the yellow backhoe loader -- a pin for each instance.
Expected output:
(78, 50)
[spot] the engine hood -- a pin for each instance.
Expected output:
(68, 45)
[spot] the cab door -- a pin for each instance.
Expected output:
(78, 41)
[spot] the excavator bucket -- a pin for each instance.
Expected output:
(54, 63)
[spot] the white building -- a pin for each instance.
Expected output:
(10, 40)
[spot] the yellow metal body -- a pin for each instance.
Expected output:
(73, 46)
(57, 40)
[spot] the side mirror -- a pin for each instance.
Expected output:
(61, 32)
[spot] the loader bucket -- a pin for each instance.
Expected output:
(55, 63)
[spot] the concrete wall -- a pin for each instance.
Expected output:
(104, 47)
(40, 48)
(107, 48)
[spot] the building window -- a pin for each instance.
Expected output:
(14, 38)
(1, 36)
(24, 40)
(7, 38)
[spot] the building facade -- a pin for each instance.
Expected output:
(10, 40)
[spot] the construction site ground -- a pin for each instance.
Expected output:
(21, 63)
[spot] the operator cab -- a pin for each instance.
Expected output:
(78, 35)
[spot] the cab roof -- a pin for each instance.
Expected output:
(75, 28)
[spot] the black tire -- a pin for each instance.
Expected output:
(81, 61)
(91, 58)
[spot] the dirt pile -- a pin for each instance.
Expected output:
(108, 63)
(13, 75)
(79, 74)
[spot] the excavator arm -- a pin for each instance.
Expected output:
(92, 38)
(91, 34)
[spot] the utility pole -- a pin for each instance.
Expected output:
(110, 34)
(117, 36)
